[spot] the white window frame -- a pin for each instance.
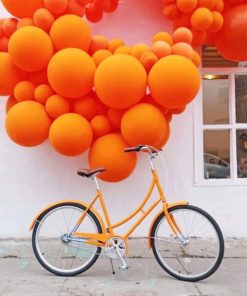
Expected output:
(199, 128)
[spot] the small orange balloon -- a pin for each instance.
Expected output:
(186, 6)
(181, 83)
(24, 22)
(9, 26)
(202, 19)
(56, 106)
(86, 106)
(206, 3)
(70, 31)
(148, 60)
(28, 124)
(171, 12)
(182, 35)
(163, 36)
(71, 134)
(101, 125)
(161, 49)
(138, 50)
(108, 152)
(123, 50)
(183, 49)
(24, 91)
(42, 93)
(20, 9)
(43, 19)
(114, 44)
(10, 103)
(75, 7)
(9, 75)
(143, 124)
(100, 55)
(56, 6)
(120, 81)
(77, 80)
(196, 58)
(219, 5)
(4, 43)
(98, 42)
(30, 49)
(217, 22)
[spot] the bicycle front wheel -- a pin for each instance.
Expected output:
(55, 249)
(201, 253)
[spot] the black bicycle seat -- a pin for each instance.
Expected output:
(89, 173)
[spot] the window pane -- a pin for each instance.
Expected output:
(241, 98)
(242, 153)
(215, 99)
(217, 154)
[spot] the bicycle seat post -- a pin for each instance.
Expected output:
(96, 182)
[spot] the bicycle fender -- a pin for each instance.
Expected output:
(180, 203)
(95, 212)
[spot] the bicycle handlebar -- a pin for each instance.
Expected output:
(139, 148)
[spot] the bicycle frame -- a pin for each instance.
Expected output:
(99, 239)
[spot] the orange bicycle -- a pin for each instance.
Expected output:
(68, 236)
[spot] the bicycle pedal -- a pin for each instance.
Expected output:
(121, 267)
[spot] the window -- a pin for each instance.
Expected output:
(221, 125)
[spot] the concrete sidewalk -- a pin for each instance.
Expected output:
(21, 274)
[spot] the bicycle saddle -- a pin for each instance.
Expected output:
(89, 173)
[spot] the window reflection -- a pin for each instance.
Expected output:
(242, 153)
(217, 154)
(241, 98)
(215, 99)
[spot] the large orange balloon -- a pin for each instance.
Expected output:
(9, 75)
(143, 124)
(70, 31)
(108, 152)
(71, 73)
(174, 81)
(30, 49)
(232, 40)
(56, 106)
(24, 8)
(120, 81)
(71, 134)
(28, 124)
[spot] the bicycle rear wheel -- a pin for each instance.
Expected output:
(52, 245)
(203, 252)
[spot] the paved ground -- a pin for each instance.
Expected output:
(20, 274)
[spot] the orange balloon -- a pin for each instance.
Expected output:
(123, 50)
(9, 26)
(114, 44)
(71, 134)
(219, 5)
(182, 21)
(171, 12)
(74, 7)
(163, 36)
(44, 19)
(186, 6)
(207, 3)
(70, 31)
(199, 37)
(28, 124)
(161, 49)
(25, 22)
(86, 106)
(115, 117)
(42, 93)
(30, 49)
(56, 106)
(77, 80)
(108, 152)
(183, 49)
(138, 50)
(20, 9)
(120, 81)
(4, 42)
(148, 59)
(181, 84)
(98, 42)
(217, 22)
(24, 91)
(196, 59)
(38, 78)
(143, 124)
(10, 103)
(182, 35)
(100, 55)
(9, 75)
(101, 125)
(56, 6)
(202, 19)
(161, 144)
(109, 5)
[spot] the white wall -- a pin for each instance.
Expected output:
(32, 178)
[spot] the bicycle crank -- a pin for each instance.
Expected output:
(116, 248)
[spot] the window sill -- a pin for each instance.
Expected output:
(220, 182)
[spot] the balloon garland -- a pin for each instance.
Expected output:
(86, 92)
